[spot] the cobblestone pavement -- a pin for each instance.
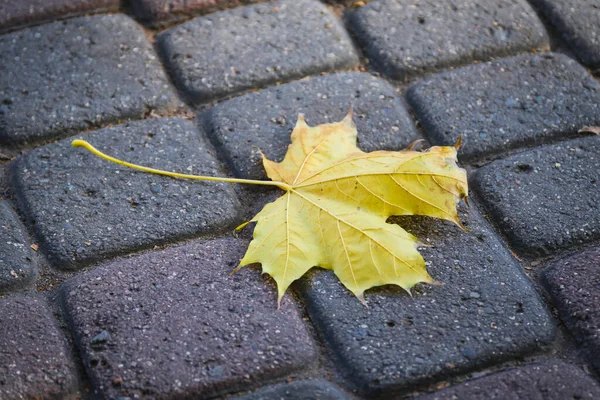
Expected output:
(115, 284)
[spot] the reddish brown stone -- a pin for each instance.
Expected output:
(15, 14)
(158, 12)
(574, 283)
(174, 324)
(552, 380)
(34, 359)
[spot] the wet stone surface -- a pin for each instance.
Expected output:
(265, 120)
(406, 38)
(84, 209)
(545, 200)
(485, 312)
(75, 75)
(15, 14)
(507, 104)
(300, 390)
(574, 283)
(34, 360)
(161, 12)
(578, 22)
(551, 380)
(17, 262)
(175, 324)
(255, 46)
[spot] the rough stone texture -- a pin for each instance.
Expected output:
(299, 390)
(265, 120)
(579, 23)
(15, 14)
(84, 208)
(486, 311)
(545, 199)
(76, 75)
(574, 283)
(406, 37)
(506, 104)
(175, 324)
(160, 12)
(34, 360)
(255, 46)
(17, 266)
(552, 380)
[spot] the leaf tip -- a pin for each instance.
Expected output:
(361, 297)
(301, 121)
(348, 119)
(280, 294)
(458, 142)
(349, 114)
(460, 224)
(240, 265)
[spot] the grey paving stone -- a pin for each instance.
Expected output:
(34, 359)
(579, 23)
(545, 199)
(75, 75)
(255, 46)
(406, 38)
(264, 120)
(17, 262)
(15, 14)
(160, 12)
(551, 380)
(574, 283)
(485, 311)
(298, 390)
(506, 104)
(84, 208)
(175, 324)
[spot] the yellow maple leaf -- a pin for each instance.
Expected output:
(338, 198)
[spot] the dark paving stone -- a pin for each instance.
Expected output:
(574, 283)
(406, 38)
(506, 104)
(15, 14)
(264, 120)
(552, 380)
(160, 12)
(545, 199)
(579, 23)
(299, 390)
(34, 359)
(255, 46)
(84, 208)
(75, 75)
(175, 324)
(17, 266)
(486, 311)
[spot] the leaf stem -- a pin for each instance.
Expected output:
(93, 150)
